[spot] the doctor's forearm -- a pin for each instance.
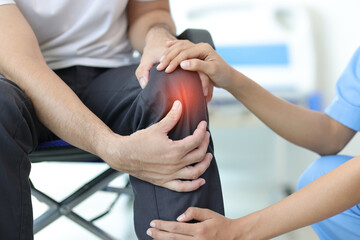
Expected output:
(310, 129)
(327, 196)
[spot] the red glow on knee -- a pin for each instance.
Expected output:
(189, 92)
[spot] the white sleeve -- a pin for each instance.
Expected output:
(3, 2)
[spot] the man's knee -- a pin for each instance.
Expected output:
(163, 89)
(320, 167)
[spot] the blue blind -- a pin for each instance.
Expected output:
(276, 54)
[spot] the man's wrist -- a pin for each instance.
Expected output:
(160, 31)
(107, 147)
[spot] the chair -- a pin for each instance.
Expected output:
(60, 151)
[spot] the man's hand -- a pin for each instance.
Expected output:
(150, 155)
(154, 48)
(150, 27)
(212, 226)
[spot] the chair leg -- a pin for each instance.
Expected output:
(65, 207)
(98, 183)
(125, 190)
(89, 226)
(50, 215)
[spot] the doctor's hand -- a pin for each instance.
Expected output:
(198, 57)
(151, 156)
(212, 226)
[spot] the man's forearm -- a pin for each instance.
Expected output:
(145, 24)
(148, 28)
(56, 105)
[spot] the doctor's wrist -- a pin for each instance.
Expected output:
(237, 82)
(245, 228)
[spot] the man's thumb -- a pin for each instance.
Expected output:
(171, 118)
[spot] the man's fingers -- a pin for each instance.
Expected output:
(194, 172)
(205, 82)
(185, 185)
(192, 142)
(171, 118)
(198, 154)
(194, 213)
(210, 92)
(142, 74)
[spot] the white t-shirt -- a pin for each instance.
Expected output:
(79, 32)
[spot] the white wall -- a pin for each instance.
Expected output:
(336, 35)
(335, 31)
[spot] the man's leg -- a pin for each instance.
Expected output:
(18, 138)
(345, 225)
(118, 100)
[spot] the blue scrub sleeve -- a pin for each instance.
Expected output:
(345, 108)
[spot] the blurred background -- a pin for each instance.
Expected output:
(295, 48)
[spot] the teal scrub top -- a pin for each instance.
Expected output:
(345, 108)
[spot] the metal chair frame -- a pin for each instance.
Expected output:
(65, 207)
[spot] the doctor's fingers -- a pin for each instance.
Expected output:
(172, 51)
(171, 230)
(179, 52)
(200, 51)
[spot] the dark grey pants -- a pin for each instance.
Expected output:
(115, 96)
